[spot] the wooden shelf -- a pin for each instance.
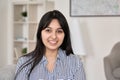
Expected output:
(24, 32)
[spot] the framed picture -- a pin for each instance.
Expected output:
(94, 8)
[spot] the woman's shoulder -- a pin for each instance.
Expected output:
(23, 59)
(74, 62)
(74, 59)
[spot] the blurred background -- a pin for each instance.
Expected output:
(93, 37)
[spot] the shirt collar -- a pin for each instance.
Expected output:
(60, 56)
(43, 59)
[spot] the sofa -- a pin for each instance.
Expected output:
(112, 63)
(7, 72)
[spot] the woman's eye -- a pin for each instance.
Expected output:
(48, 30)
(60, 31)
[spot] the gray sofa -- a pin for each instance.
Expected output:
(7, 72)
(112, 63)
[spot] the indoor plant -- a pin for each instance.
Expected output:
(24, 50)
(24, 15)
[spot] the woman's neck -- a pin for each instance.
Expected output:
(51, 58)
(51, 54)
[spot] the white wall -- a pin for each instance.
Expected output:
(103, 34)
(3, 32)
(99, 35)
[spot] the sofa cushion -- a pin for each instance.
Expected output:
(116, 72)
(7, 72)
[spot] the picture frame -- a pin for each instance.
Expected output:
(94, 8)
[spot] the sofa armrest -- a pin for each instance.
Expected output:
(108, 70)
(7, 72)
(116, 73)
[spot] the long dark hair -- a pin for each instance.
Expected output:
(39, 51)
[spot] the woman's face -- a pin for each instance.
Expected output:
(53, 35)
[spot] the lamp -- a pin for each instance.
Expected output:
(76, 38)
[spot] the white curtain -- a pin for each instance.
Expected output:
(76, 37)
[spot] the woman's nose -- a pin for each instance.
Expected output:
(54, 35)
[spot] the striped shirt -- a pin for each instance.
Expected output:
(66, 68)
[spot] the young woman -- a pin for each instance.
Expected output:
(53, 57)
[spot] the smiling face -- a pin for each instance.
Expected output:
(53, 35)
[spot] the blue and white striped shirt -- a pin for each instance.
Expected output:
(66, 68)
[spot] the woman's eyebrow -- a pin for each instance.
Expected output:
(59, 28)
(48, 27)
(51, 27)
